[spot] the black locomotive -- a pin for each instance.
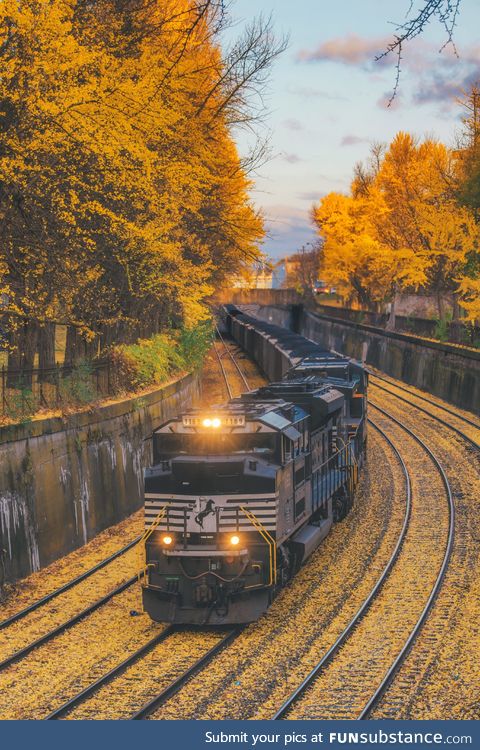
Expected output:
(239, 497)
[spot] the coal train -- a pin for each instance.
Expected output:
(240, 495)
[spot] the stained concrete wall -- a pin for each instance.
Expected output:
(64, 480)
(445, 370)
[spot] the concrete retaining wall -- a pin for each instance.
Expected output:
(64, 480)
(445, 370)
(256, 297)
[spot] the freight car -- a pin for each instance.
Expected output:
(238, 497)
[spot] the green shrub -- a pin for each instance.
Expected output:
(155, 360)
(442, 327)
(20, 405)
(78, 387)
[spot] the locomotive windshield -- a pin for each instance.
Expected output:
(215, 443)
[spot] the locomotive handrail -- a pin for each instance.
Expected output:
(143, 565)
(272, 547)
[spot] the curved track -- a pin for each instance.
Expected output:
(222, 370)
(234, 361)
(430, 414)
(452, 412)
(342, 642)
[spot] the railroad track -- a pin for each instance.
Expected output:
(465, 420)
(343, 693)
(67, 586)
(234, 360)
(66, 624)
(166, 693)
(159, 698)
(69, 622)
(448, 641)
(152, 705)
(227, 352)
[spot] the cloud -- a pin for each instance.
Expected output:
(352, 140)
(311, 196)
(349, 50)
(293, 124)
(291, 158)
(444, 89)
(287, 230)
(387, 102)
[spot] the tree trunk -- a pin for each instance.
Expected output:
(392, 319)
(77, 348)
(70, 347)
(21, 359)
(440, 305)
(46, 353)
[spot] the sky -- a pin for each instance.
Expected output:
(327, 97)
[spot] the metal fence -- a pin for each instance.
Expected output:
(26, 391)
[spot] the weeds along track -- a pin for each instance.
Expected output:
(352, 681)
(259, 669)
(441, 676)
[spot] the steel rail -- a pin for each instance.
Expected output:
(441, 421)
(66, 586)
(237, 366)
(333, 650)
(380, 691)
(177, 684)
(109, 676)
(222, 368)
(21, 653)
(424, 398)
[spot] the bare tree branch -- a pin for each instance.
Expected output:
(444, 11)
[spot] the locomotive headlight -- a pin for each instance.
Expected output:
(215, 422)
(234, 540)
(167, 540)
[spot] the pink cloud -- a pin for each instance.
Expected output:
(350, 50)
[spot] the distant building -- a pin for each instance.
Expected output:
(263, 278)
(260, 277)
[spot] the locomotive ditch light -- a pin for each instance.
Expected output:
(167, 540)
(235, 540)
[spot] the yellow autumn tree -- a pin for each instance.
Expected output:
(401, 227)
(123, 199)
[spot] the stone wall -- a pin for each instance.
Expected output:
(64, 480)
